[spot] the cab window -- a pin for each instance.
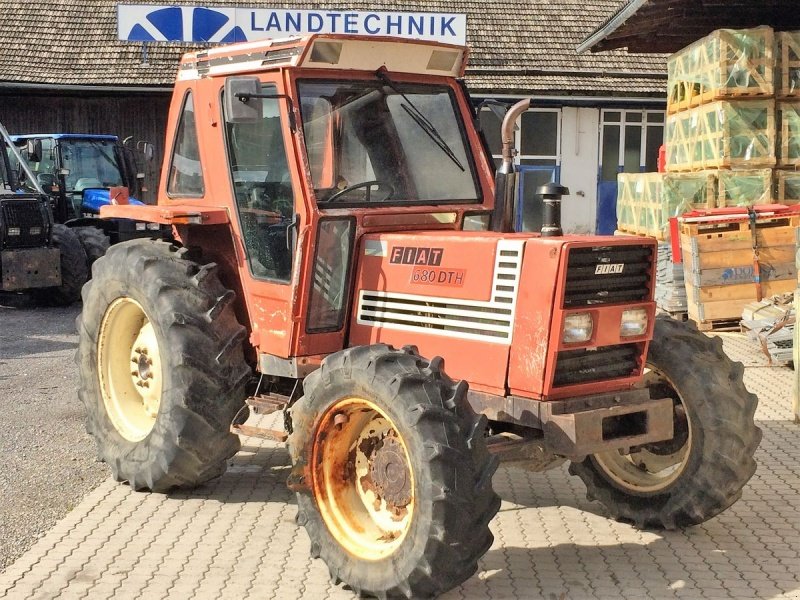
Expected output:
(185, 172)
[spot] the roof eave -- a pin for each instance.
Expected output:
(614, 23)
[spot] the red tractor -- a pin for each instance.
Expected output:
(342, 251)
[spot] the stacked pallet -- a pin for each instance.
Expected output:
(670, 289)
(733, 104)
(723, 272)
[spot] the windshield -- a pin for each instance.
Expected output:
(91, 164)
(385, 142)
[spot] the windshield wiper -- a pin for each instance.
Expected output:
(421, 120)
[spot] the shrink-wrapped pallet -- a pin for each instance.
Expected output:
(788, 58)
(789, 133)
(722, 134)
(725, 64)
(787, 187)
(744, 188)
(647, 201)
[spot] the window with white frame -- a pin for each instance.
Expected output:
(629, 141)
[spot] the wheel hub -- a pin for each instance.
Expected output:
(362, 479)
(129, 367)
(389, 473)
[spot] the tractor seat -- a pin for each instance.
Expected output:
(85, 183)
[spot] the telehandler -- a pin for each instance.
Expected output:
(341, 251)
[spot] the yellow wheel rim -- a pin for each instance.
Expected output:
(362, 479)
(129, 365)
(652, 468)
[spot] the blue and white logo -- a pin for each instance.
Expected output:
(149, 23)
(178, 24)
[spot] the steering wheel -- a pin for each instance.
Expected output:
(364, 184)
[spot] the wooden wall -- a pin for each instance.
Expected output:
(143, 116)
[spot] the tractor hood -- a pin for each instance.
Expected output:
(494, 305)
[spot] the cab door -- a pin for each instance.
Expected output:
(267, 207)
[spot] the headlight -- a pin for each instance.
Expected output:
(476, 222)
(578, 328)
(633, 323)
(14, 231)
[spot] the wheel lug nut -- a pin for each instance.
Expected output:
(339, 420)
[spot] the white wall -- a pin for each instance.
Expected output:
(580, 139)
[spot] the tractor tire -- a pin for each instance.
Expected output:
(73, 270)
(162, 367)
(95, 243)
(701, 471)
(395, 487)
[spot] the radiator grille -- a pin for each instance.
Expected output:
(608, 274)
(584, 366)
(26, 218)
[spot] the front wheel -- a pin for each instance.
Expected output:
(74, 271)
(162, 368)
(701, 471)
(397, 477)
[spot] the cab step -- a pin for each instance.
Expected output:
(260, 432)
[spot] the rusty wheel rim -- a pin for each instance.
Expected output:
(129, 368)
(362, 479)
(650, 469)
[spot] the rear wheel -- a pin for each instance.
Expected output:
(398, 478)
(74, 272)
(162, 369)
(95, 243)
(699, 472)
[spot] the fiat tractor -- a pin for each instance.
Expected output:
(341, 251)
(37, 256)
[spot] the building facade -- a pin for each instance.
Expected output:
(64, 69)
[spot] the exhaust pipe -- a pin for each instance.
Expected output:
(506, 179)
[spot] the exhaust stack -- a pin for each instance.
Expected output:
(506, 179)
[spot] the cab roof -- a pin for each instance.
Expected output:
(328, 51)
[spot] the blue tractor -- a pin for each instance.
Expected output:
(80, 172)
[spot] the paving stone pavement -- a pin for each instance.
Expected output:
(236, 538)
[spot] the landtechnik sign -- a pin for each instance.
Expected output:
(149, 23)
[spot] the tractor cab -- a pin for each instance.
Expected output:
(79, 170)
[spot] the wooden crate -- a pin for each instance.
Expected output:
(687, 191)
(788, 68)
(722, 134)
(744, 187)
(718, 265)
(725, 64)
(789, 133)
(787, 187)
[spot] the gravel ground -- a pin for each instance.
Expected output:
(47, 461)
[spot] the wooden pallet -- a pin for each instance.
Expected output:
(789, 133)
(726, 64)
(744, 187)
(718, 324)
(724, 134)
(788, 69)
(787, 187)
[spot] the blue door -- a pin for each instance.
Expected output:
(629, 142)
